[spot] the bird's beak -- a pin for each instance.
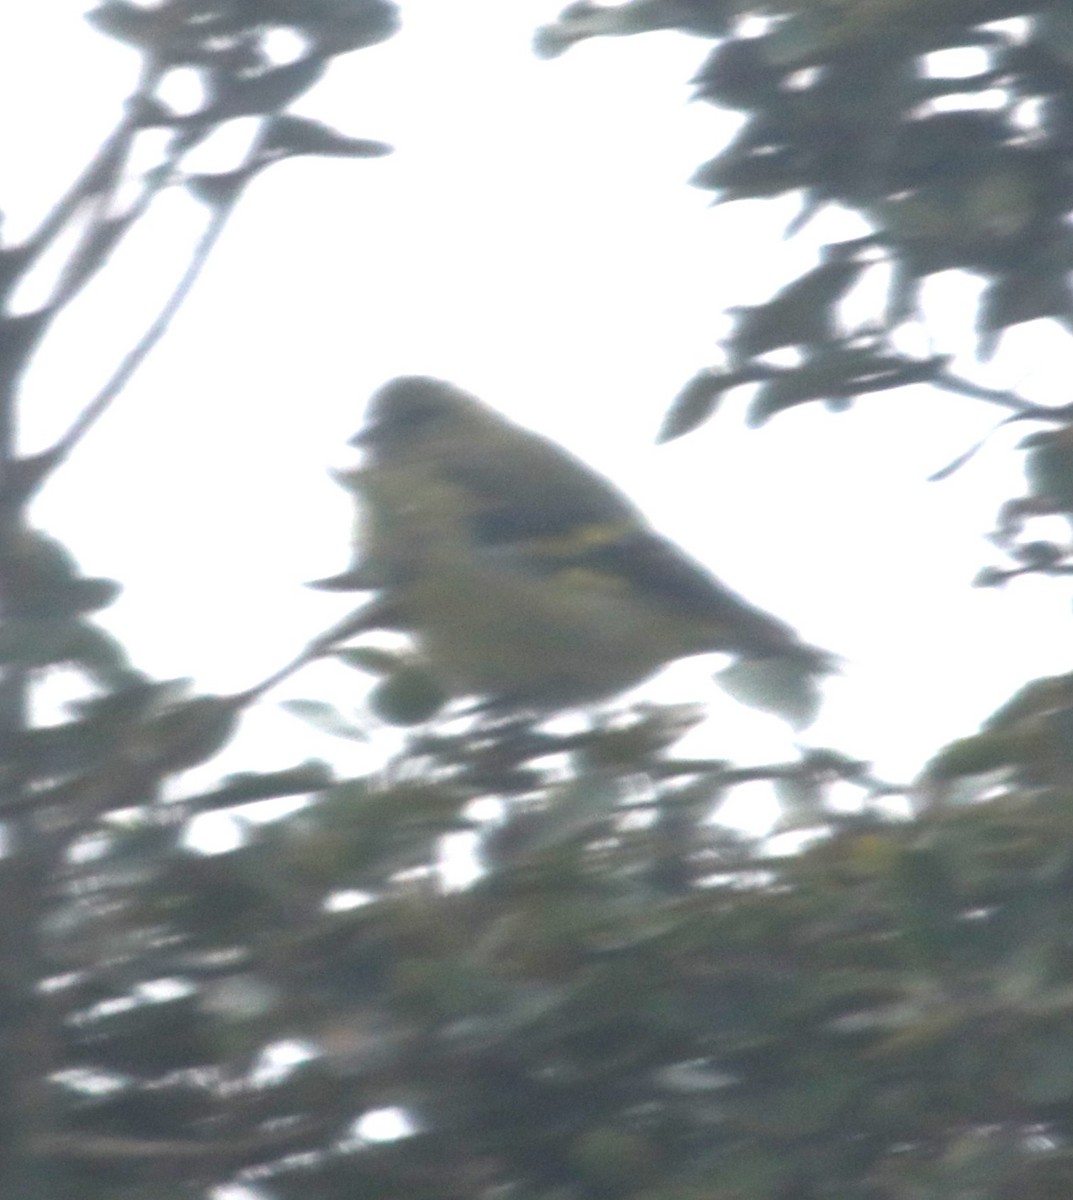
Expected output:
(367, 435)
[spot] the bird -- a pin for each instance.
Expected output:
(527, 578)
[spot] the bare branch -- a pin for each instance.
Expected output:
(101, 174)
(132, 361)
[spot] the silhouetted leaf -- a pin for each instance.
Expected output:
(737, 74)
(340, 26)
(237, 95)
(1049, 465)
(54, 642)
(373, 659)
(325, 717)
(699, 399)
(251, 787)
(129, 23)
(776, 685)
(408, 696)
(1018, 297)
(801, 313)
(290, 135)
(223, 188)
(187, 734)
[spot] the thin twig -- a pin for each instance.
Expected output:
(232, 1152)
(100, 403)
(132, 361)
(369, 616)
(101, 169)
(1024, 409)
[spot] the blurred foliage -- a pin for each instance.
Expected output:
(107, 1056)
(947, 130)
(539, 956)
(628, 1000)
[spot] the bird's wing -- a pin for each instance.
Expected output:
(535, 489)
(563, 516)
(654, 567)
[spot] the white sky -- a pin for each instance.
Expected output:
(534, 240)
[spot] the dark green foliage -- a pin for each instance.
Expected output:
(963, 166)
(212, 32)
(120, 947)
(839, 108)
(630, 1002)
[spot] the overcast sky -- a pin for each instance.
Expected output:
(534, 240)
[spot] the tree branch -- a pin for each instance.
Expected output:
(97, 407)
(101, 173)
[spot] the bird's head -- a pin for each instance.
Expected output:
(411, 409)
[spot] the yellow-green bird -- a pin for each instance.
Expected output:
(526, 577)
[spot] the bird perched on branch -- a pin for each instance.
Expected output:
(526, 577)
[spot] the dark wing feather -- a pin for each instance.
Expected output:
(545, 493)
(657, 567)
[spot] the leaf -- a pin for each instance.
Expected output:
(369, 658)
(781, 686)
(223, 188)
(583, 20)
(67, 599)
(169, 32)
(1049, 466)
(292, 135)
(698, 400)
(800, 314)
(187, 734)
(362, 578)
(408, 696)
(1018, 297)
(341, 26)
(250, 787)
(41, 580)
(36, 560)
(238, 95)
(837, 375)
(91, 595)
(51, 642)
(128, 23)
(747, 174)
(1039, 555)
(737, 74)
(786, 389)
(990, 577)
(100, 655)
(326, 718)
